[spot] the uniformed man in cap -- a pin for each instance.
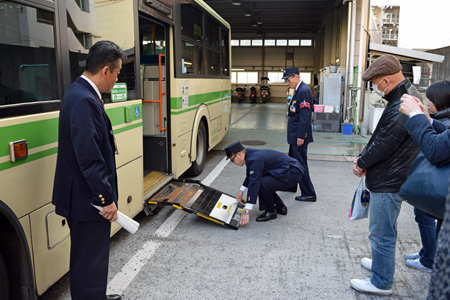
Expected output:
(299, 133)
(268, 171)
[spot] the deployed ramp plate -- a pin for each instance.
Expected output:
(196, 198)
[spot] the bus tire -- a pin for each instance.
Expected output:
(4, 282)
(202, 148)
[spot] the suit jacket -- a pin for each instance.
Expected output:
(85, 167)
(266, 162)
(434, 140)
(300, 110)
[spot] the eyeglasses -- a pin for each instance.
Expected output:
(233, 157)
(287, 80)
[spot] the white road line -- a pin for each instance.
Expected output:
(122, 279)
(214, 173)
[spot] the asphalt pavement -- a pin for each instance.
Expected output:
(311, 253)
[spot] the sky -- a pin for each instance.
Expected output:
(423, 24)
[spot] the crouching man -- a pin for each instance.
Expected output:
(268, 171)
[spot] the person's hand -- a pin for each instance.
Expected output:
(425, 111)
(357, 170)
(300, 142)
(409, 103)
(244, 219)
(109, 212)
(239, 196)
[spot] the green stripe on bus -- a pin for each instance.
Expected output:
(179, 112)
(117, 115)
(36, 133)
(123, 129)
(30, 158)
(195, 100)
(54, 150)
(43, 132)
(213, 13)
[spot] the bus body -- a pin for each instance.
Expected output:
(170, 106)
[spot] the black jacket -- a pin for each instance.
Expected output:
(391, 150)
(443, 116)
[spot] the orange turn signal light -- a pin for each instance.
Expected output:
(18, 150)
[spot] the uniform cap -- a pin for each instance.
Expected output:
(233, 148)
(288, 72)
(382, 66)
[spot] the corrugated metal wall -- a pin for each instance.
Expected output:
(441, 70)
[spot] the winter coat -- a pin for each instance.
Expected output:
(391, 150)
(443, 116)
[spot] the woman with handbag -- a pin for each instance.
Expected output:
(433, 137)
(438, 95)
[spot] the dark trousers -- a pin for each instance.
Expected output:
(268, 198)
(301, 154)
(427, 229)
(89, 257)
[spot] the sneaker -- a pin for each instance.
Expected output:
(416, 264)
(412, 256)
(366, 263)
(365, 286)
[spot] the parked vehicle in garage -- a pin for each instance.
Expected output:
(240, 93)
(265, 90)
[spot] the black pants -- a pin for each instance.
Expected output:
(301, 154)
(268, 198)
(89, 258)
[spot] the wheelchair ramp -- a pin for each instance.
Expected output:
(196, 198)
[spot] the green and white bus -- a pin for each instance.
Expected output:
(170, 105)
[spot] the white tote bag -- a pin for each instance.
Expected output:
(360, 203)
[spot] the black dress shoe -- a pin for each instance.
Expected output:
(114, 297)
(266, 216)
(306, 198)
(282, 211)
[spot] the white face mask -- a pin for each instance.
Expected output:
(376, 90)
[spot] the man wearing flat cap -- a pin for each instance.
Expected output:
(385, 162)
(299, 132)
(268, 171)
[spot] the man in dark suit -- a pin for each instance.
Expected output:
(299, 133)
(268, 171)
(86, 172)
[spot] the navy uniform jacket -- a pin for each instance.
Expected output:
(266, 162)
(299, 124)
(85, 167)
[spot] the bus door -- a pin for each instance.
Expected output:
(155, 119)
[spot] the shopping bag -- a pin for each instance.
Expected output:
(426, 187)
(361, 200)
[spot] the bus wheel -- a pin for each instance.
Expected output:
(4, 283)
(199, 163)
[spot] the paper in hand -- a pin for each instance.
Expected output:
(126, 222)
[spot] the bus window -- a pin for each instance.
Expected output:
(192, 58)
(191, 22)
(213, 62)
(79, 44)
(212, 33)
(27, 55)
(212, 42)
(225, 53)
(152, 39)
